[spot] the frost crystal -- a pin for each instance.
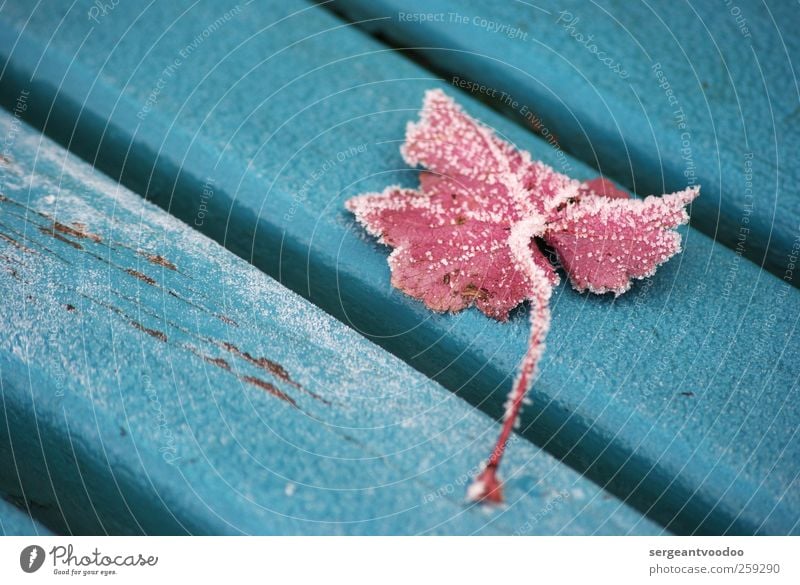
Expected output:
(468, 235)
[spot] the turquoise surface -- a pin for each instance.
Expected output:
(654, 94)
(152, 382)
(680, 397)
(15, 521)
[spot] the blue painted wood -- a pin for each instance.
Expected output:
(153, 382)
(655, 94)
(14, 521)
(680, 396)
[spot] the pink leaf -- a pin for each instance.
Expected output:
(604, 242)
(446, 255)
(602, 187)
(468, 235)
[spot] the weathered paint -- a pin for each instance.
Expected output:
(681, 396)
(154, 382)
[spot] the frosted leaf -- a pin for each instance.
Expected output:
(603, 243)
(468, 235)
(448, 142)
(451, 144)
(602, 187)
(446, 257)
(546, 189)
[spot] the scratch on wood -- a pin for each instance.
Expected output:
(78, 231)
(159, 260)
(141, 276)
(161, 336)
(33, 242)
(227, 320)
(53, 234)
(273, 368)
(269, 388)
(11, 241)
(218, 362)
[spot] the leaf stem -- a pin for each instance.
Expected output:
(487, 487)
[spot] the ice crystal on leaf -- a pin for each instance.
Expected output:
(468, 235)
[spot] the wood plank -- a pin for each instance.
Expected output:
(154, 382)
(14, 521)
(680, 396)
(654, 94)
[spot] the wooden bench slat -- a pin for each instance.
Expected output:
(679, 396)
(154, 382)
(652, 94)
(14, 521)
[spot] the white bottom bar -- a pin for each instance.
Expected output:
(401, 560)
